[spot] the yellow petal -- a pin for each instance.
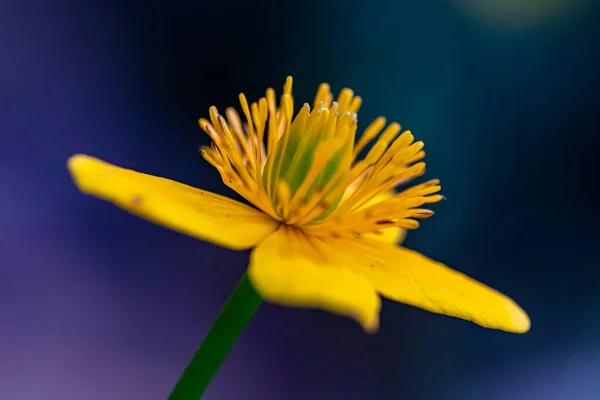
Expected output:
(290, 268)
(409, 277)
(195, 212)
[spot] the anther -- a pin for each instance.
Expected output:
(423, 213)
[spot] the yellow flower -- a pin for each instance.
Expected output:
(326, 224)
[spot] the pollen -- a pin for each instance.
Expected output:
(307, 171)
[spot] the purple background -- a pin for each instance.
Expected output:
(97, 304)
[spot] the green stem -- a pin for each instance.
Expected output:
(235, 315)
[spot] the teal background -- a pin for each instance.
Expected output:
(96, 304)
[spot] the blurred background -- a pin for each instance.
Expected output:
(97, 304)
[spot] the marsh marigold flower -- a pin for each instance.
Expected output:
(326, 221)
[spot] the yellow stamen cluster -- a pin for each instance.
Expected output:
(310, 175)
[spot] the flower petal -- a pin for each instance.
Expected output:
(409, 277)
(291, 268)
(192, 211)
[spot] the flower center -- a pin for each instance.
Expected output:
(308, 174)
(311, 160)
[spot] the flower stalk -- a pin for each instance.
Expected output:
(235, 315)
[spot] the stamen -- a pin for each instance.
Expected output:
(279, 155)
(344, 99)
(251, 133)
(327, 194)
(355, 104)
(308, 175)
(283, 192)
(368, 135)
(272, 137)
(323, 96)
(241, 142)
(319, 161)
(213, 113)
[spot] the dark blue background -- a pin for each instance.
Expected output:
(97, 304)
